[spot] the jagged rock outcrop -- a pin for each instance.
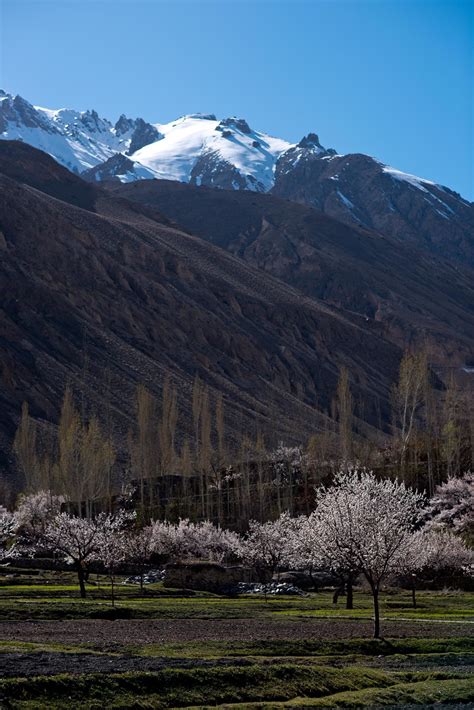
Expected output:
(118, 168)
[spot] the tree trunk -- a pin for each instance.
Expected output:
(375, 593)
(413, 593)
(81, 578)
(112, 585)
(350, 593)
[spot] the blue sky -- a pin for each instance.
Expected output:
(392, 78)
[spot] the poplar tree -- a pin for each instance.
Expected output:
(407, 400)
(344, 407)
(24, 447)
(146, 451)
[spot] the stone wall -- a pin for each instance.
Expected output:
(205, 576)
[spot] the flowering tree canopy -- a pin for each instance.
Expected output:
(8, 528)
(194, 540)
(366, 525)
(453, 505)
(443, 550)
(35, 511)
(81, 540)
(268, 546)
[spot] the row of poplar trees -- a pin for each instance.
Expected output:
(209, 476)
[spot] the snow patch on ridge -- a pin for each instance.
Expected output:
(345, 200)
(417, 182)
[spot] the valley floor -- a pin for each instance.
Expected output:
(174, 649)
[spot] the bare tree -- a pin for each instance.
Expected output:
(205, 451)
(407, 399)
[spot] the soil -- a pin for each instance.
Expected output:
(102, 634)
(32, 664)
(110, 636)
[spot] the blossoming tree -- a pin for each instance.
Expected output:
(367, 524)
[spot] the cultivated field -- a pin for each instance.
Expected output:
(174, 649)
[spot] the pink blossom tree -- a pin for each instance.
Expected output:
(366, 525)
(268, 546)
(316, 555)
(113, 547)
(33, 513)
(304, 552)
(173, 540)
(202, 540)
(453, 506)
(414, 560)
(78, 540)
(436, 551)
(446, 553)
(213, 543)
(8, 529)
(141, 544)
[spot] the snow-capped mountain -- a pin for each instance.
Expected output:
(202, 150)
(197, 148)
(205, 151)
(79, 140)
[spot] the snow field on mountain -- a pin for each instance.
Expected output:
(186, 139)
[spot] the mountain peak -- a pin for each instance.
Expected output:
(94, 123)
(201, 116)
(123, 125)
(239, 123)
(312, 139)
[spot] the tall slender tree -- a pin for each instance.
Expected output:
(345, 407)
(25, 448)
(146, 448)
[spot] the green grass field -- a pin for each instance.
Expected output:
(427, 662)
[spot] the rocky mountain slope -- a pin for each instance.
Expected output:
(412, 295)
(91, 281)
(358, 189)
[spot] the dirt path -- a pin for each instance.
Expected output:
(106, 634)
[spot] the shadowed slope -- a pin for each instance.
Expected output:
(116, 296)
(404, 291)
